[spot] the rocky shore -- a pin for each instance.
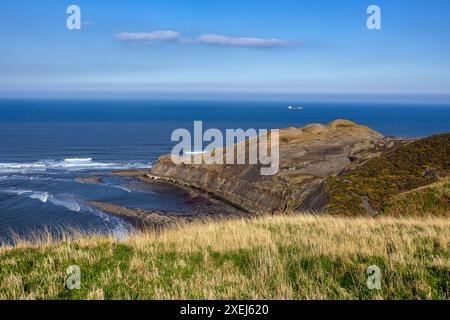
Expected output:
(202, 207)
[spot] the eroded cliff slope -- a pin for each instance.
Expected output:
(308, 156)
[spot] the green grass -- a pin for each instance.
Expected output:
(433, 199)
(284, 257)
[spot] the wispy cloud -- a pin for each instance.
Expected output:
(209, 39)
(165, 35)
(221, 40)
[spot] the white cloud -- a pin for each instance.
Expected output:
(210, 39)
(221, 40)
(149, 36)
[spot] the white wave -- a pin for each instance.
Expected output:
(98, 184)
(44, 197)
(41, 196)
(70, 204)
(21, 167)
(38, 195)
(78, 160)
(121, 188)
(71, 164)
(194, 153)
(23, 177)
(120, 229)
(16, 191)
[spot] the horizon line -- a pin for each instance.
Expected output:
(374, 97)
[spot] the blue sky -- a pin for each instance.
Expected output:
(297, 47)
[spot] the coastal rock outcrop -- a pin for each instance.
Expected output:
(308, 156)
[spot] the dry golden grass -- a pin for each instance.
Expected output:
(279, 257)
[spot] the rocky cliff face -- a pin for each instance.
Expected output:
(307, 157)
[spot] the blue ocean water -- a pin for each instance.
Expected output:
(46, 144)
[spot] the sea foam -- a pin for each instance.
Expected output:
(70, 164)
(44, 197)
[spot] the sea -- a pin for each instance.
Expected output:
(47, 145)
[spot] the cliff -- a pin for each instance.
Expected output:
(308, 156)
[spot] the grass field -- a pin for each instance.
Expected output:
(280, 257)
